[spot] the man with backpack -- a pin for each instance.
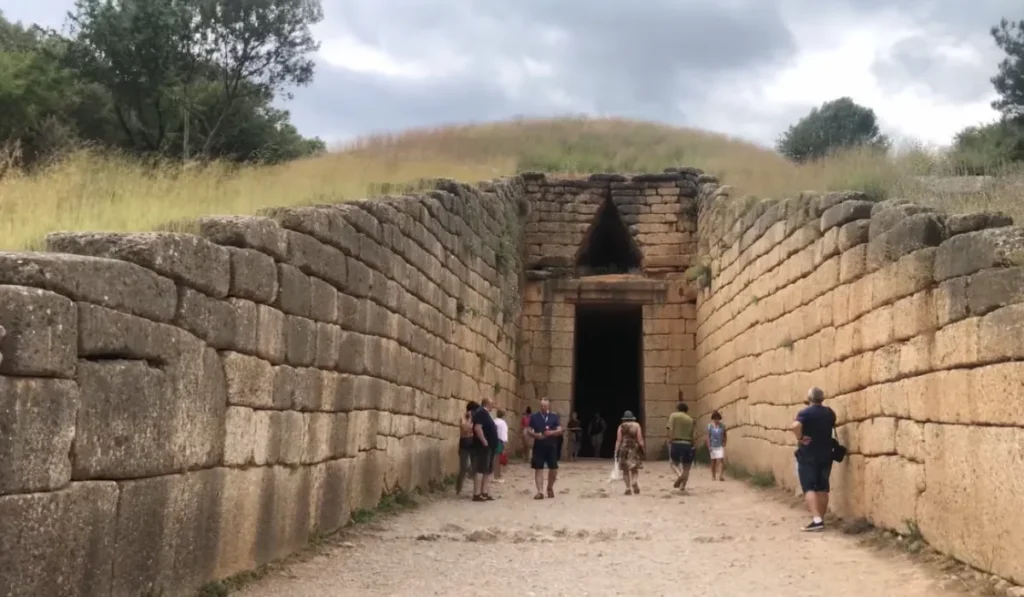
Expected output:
(813, 429)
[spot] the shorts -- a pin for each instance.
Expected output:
(544, 455)
(814, 475)
(681, 452)
(500, 448)
(717, 453)
(483, 460)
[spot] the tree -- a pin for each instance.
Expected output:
(1009, 80)
(162, 58)
(835, 125)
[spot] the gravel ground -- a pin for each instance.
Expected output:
(720, 539)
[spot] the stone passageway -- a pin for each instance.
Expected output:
(721, 539)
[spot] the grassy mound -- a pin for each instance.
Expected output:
(89, 191)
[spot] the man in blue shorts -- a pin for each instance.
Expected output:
(813, 430)
(546, 429)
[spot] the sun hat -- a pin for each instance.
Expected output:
(628, 416)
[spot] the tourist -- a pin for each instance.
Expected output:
(465, 444)
(545, 429)
(596, 433)
(629, 450)
(681, 452)
(485, 440)
(524, 426)
(716, 445)
(499, 452)
(575, 436)
(813, 429)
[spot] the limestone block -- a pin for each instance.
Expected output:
(253, 275)
(367, 480)
(282, 525)
(252, 232)
(876, 328)
(968, 253)
(318, 442)
(910, 440)
(250, 380)
(308, 394)
(240, 435)
(188, 259)
(60, 542)
(844, 212)
(139, 420)
(323, 301)
(885, 364)
(956, 345)
(315, 258)
(288, 436)
(951, 301)
(993, 288)
(877, 436)
(1000, 334)
(330, 507)
(853, 234)
(913, 315)
(941, 396)
(37, 424)
(910, 275)
(893, 486)
(853, 263)
(115, 284)
(994, 396)
(300, 341)
(293, 291)
(849, 495)
(239, 511)
(910, 234)
(41, 331)
(328, 345)
(961, 223)
(971, 507)
(164, 526)
(270, 334)
(222, 324)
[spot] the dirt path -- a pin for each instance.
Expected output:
(721, 539)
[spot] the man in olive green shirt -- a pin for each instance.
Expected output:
(681, 452)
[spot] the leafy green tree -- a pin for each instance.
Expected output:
(1009, 80)
(835, 125)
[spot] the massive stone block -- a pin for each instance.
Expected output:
(42, 333)
(968, 253)
(60, 542)
(37, 424)
(250, 380)
(260, 233)
(253, 275)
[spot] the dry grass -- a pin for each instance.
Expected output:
(88, 191)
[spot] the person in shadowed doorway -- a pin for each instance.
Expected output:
(629, 450)
(575, 436)
(681, 449)
(485, 440)
(499, 451)
(596, 433)
(813, 429)
(546, 429)
(465, 445)
(524, 426)
(716, 445)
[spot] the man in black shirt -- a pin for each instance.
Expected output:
(813, 429)
(485, 440)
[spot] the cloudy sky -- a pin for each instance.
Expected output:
(743, 67)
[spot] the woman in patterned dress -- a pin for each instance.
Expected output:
(629, 449)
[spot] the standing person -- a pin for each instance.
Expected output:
(546, 429)
(485, 440)
(813, 429)
(716, 445)
(524, 426)
(499, 452)
(596, 433)
(575, 436)
(681, 451)
(629, 449)
(465, 444)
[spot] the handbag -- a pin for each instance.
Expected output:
(616, 474)
(838, 450)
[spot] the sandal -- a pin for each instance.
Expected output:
(539, 496)
(551, 493)
(487, 497)
(478, 498)
(629, 492)
(636, 488)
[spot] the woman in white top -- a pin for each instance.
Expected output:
(499, 451)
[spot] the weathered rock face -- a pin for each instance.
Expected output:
(911, 322)
(175, 409)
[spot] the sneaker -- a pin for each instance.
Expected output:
(814, 527)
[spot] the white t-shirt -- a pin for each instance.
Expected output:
(502, 429)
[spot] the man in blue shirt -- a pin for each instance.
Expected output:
(813, 429)
(546, 430)
(485, 440)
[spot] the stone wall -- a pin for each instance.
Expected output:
(911, 321)
(176, 409)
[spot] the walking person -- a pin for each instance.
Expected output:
(813, 428)
(485, 440)
(546, 429)
(681, 450)
(716, 445)
(596, 433)
(629, 450)
(499, 452)
(465, 445)
(524, 426)
(575, 436)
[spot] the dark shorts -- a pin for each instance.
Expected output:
(545, 455)
(814, 475)
(681, 452)
(483, 460)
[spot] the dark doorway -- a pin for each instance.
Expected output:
(607, 369)
(608, 247)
